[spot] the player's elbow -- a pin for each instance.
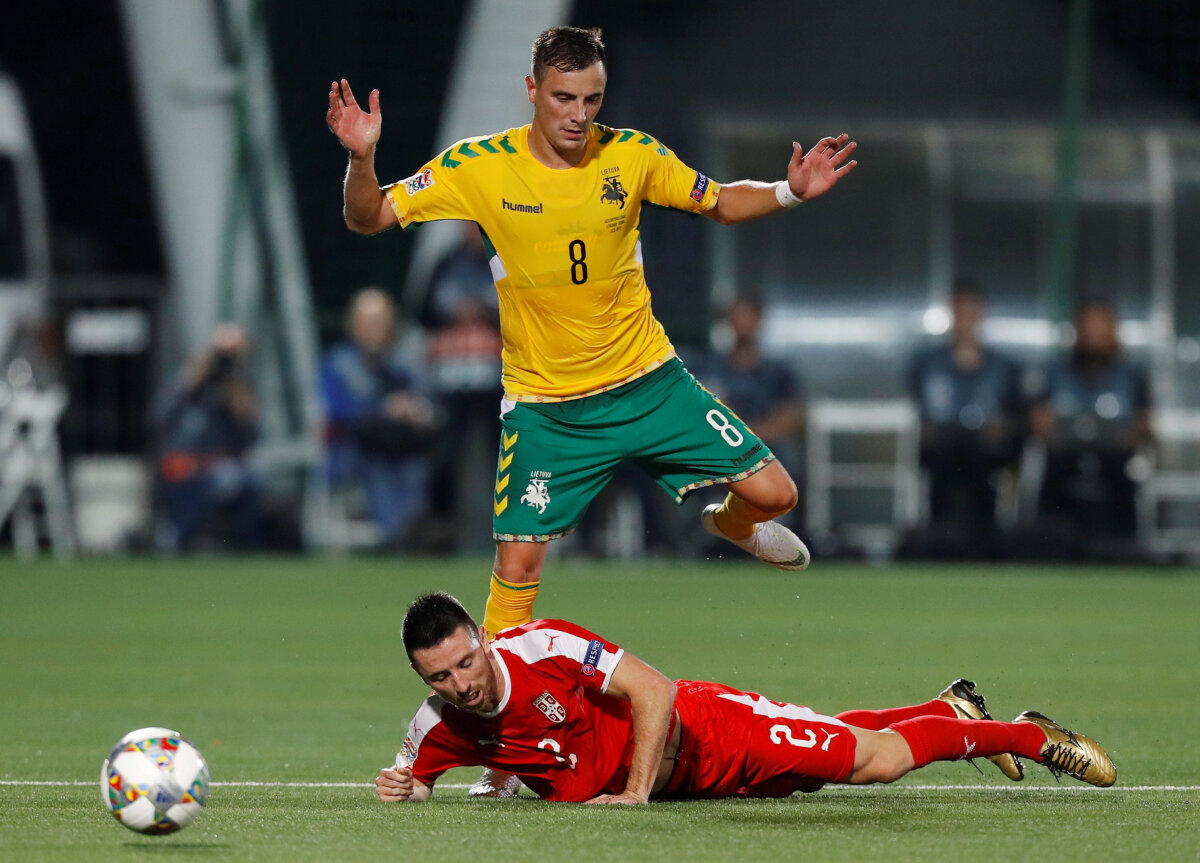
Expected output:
(721, 215)
(666, 690)
(361, 226)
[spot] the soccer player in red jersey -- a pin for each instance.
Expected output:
(579, 719)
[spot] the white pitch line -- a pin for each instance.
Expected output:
(76, 783)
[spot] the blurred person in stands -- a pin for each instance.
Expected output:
(461, 277)
(206, 484)
(765, 392)
(1092, 412)
(462, 323)
(969, 400)
(379, 423)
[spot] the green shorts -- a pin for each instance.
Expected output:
(555, 457)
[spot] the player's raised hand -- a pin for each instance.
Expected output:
(358, 130)
(814, 173)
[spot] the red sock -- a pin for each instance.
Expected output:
(877, 720)
(934, 738)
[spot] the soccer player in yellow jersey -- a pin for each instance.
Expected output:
(590, 376)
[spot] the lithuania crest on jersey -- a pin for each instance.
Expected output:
(613, 192)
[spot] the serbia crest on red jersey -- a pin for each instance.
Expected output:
(554, 711)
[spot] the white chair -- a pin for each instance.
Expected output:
(30, 462)
(1173, 485)
(883, 438)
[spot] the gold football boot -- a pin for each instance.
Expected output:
(969, 704)
(1070, 753)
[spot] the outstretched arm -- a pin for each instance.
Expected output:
(808, 176)
(367, 210)
(652, 698)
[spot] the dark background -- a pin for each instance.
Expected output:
(670, 63)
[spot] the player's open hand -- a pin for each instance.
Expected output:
(814, 173)
(358, 130)
(394, 783)
(624, 799)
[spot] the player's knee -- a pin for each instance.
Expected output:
(880, 769)
(519, 565)
(780, 497)
(515, 573)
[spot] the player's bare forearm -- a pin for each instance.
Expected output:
(744, 201)
(652, 702)
(366, 207)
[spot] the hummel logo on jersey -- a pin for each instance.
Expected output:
(550, 643)
(614, 193)
(554, 711)
(520, 208)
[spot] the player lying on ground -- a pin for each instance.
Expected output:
(579, 719)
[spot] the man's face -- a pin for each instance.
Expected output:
(1096, 330)
(565, 104)
(968, 312)
(373, 325)
(461, 670)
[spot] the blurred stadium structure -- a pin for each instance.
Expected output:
(1048, 148)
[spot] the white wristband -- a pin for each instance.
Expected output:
(785, 196)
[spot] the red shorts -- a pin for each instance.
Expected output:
(738, 743)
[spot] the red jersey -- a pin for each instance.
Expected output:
(568, 741)
(554, 727)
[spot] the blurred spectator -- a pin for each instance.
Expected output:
(461, 277)
(1093, 414)
(206, 485)
(379, 424)
(463, 354)
(766, 393)
(969, 401)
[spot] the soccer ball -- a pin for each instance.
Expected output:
(154, 781)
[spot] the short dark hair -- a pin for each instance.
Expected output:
(431, 619)
(567, 49)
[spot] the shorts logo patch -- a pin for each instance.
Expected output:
(554, 711)
(417, 182)
(536, 494)
(700, 187)
(594, 652)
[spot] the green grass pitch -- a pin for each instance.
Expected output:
(290, 677)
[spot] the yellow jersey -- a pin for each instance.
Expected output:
(575, 315)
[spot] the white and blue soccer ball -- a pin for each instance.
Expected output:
(154, 781)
